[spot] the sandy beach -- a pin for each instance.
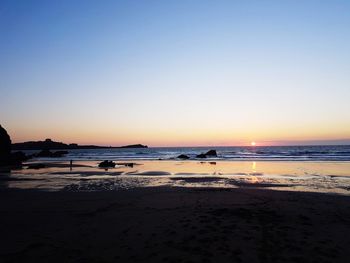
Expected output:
(163, 224)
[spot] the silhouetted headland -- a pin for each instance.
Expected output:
(5, 146)
(6, 157)
(133, 146)
(49, 144)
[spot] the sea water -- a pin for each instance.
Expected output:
(272, 153)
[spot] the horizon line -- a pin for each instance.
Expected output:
(339, 142)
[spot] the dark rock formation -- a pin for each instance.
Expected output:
(5, 147)
(183, 157)
(36, 166)
(44, 153)
(48, 153)
(107, 164)
(211, 153)
(19, 157)
(134, 146)
(49, 144)
(59, 153)
(6, 157)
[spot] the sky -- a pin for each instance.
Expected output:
(176, 73)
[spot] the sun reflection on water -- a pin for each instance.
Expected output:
(254, 167)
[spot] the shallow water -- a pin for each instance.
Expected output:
(320, 176)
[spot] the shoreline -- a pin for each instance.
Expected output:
(86, 175)
(64, 159)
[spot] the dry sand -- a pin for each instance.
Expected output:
(174, 225)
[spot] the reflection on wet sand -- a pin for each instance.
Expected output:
(86, 175)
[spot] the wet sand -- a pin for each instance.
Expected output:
(174, 225)
(323, 177)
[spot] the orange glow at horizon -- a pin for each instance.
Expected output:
(175, 135)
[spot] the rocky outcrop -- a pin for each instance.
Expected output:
(59, 153)
(183, 157)
(5, 147)
(210, 153)
(134, 146)
(49, 144)
(36, 166)
(49, 154)
(107, 164)
(19, 157)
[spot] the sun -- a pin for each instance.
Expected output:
(252, 143)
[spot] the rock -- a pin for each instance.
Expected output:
(134, 146)
(48, 153)
(5, 147)
(36, 166)
(183, 157)
(18, 157)
(40, 145)
(44, 153)
(59, 153)
(127, 164)
(211, 153)
(107, 164)
(202, 155)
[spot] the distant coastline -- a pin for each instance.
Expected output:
(49, 144)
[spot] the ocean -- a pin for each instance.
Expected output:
(263, 153)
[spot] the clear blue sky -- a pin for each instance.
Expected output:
(175, 72)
